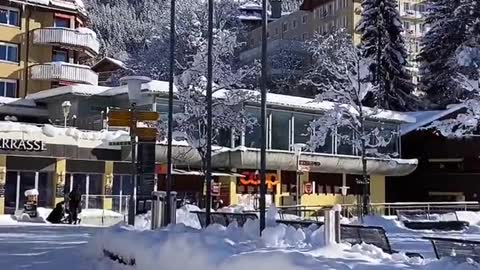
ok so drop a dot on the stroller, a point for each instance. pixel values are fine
(61, 215)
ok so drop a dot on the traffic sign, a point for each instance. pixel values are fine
(124, 115)
(146, 133)
(116, 122)
(128, 116)
(147, 116)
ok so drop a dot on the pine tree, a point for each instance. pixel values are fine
(383, 44)
(438, 66)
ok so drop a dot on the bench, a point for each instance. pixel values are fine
(456, 248)
(372, 235)
(422, 220)
(297, 224)
(224, 219)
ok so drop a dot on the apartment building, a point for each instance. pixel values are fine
(44, 44)
(289, 32)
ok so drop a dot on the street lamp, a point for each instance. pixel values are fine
(66, 105)
(297, 148)
(134, 84)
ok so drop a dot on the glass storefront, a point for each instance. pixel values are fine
(18, 182)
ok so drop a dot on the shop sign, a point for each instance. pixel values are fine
(22, 145)
(308, 188)
(253, 179)
(309, 163)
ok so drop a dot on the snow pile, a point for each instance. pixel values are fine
(183, 215)
(231, 248)
(52, 131)
(390, 225)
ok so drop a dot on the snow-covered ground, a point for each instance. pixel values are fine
(44, 246)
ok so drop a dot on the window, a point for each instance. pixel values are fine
(9, 52)
(337, 4)
(8, 88)
(285, 27)
(61, 22)
(294, 24)
(345, 3)
(304, 19)
(59, 56)
(9, 16)
(406, 26)
(305, 36)
(406, 7)
(422, 28)
(330, 9)
(281, 123)
(421, 8)
(345, 21)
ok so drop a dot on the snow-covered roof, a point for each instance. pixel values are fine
(301, 103)
(250, 6)
(153, 87)
(17, 102)
(77, 5)
(109, 59)
(426, 117)
(76, 89)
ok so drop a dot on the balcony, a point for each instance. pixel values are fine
(412, 14)
(81, 39)
(61, 71)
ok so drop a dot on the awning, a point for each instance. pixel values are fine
(199, 173)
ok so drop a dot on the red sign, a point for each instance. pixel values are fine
(253, 179)
(216, 189)
(308, 188)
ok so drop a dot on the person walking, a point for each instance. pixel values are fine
(74, 203)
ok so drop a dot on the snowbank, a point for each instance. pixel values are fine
(184, 216)
(180, 247)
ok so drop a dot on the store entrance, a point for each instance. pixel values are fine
(18, 182)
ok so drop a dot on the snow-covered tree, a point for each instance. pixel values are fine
(340, 76)
(437, 56)
(382, 42)
(228, 110)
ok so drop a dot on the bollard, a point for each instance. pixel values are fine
(329, 227)
(158, 209)
(173, 204)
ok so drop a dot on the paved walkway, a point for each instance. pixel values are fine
(45, 247)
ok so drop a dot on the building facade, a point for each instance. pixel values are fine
(289, 32)
(44, 44)
(54, 158)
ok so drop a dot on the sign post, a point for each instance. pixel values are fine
(130, 119)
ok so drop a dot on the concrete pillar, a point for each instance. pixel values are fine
(3, 181)
(278, 189)
(107, 184)
(60, 174)
(377, 189)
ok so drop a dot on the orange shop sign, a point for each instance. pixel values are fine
(253, 179)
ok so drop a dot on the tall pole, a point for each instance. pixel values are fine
(208, 193)
(263, 88)
(168, 183)
(132, 205)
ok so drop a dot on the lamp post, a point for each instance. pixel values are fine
(66, 105)
(297, 148)
(134, 95)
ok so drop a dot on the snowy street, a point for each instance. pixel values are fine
(52, 247)
(44, 247)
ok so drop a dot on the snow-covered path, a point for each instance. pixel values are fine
(44, 247)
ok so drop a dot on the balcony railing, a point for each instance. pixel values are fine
(61, 71)
(75, 38)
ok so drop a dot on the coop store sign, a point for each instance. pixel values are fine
(22, 145)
